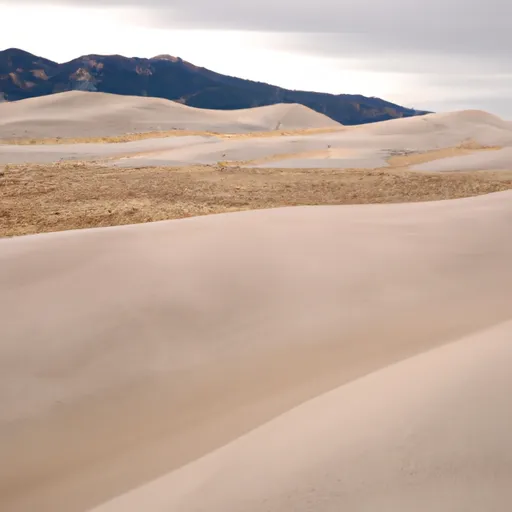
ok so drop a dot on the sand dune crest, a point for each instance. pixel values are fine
(306, 138)
(87, 114)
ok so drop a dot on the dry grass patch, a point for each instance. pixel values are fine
(43, 198)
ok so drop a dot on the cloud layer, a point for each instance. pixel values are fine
(446, 46)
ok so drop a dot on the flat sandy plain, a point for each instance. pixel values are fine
(328, 356)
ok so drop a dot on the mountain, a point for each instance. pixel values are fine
(23, 75)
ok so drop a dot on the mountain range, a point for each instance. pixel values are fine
(24, 75)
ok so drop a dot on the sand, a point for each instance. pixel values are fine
(402, 438)
(308, 358)
(365, 147)
(291, 135)
(49, 153)
(496, 161)
(133, 359)
(88, 114)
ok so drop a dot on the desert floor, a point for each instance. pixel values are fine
(45, 198)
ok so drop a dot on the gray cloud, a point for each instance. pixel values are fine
(345, 28)
(457, 44)
(417, 52)
(335, 16)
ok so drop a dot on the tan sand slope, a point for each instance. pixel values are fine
(456, 121)
(49, 153)
(88, 114)
(129, 352)
(493, 161)
(430, 433)
(368, 146)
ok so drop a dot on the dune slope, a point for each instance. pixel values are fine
(88, 114)
(430, 433)
(467, 135)
(128, 352)
(495, 160)
(368, 146)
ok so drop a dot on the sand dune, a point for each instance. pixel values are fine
(48, 153)
(296, 359)
(368, 146)
(452, 122)
(127, 354)
(494, 161)
(402, 438)
(87, 114)
(81, 114)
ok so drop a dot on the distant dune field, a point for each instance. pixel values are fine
(140, 132)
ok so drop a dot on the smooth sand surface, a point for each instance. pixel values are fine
(48, 153)
(494, 161)
(367, 146)
(429, 433)
(88, 114)
(136, 353)
(81, 114)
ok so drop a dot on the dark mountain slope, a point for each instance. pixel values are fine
(23, 75)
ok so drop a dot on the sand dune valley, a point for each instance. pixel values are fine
(256, 310)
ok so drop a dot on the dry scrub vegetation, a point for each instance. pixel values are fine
(42, 198)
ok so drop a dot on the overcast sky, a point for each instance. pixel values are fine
(426, 54)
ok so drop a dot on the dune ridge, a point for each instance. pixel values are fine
(368, 146)
(88, 114)
(290, 134)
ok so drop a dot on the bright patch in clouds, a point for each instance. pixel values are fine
(430, 65)
(74, 31)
